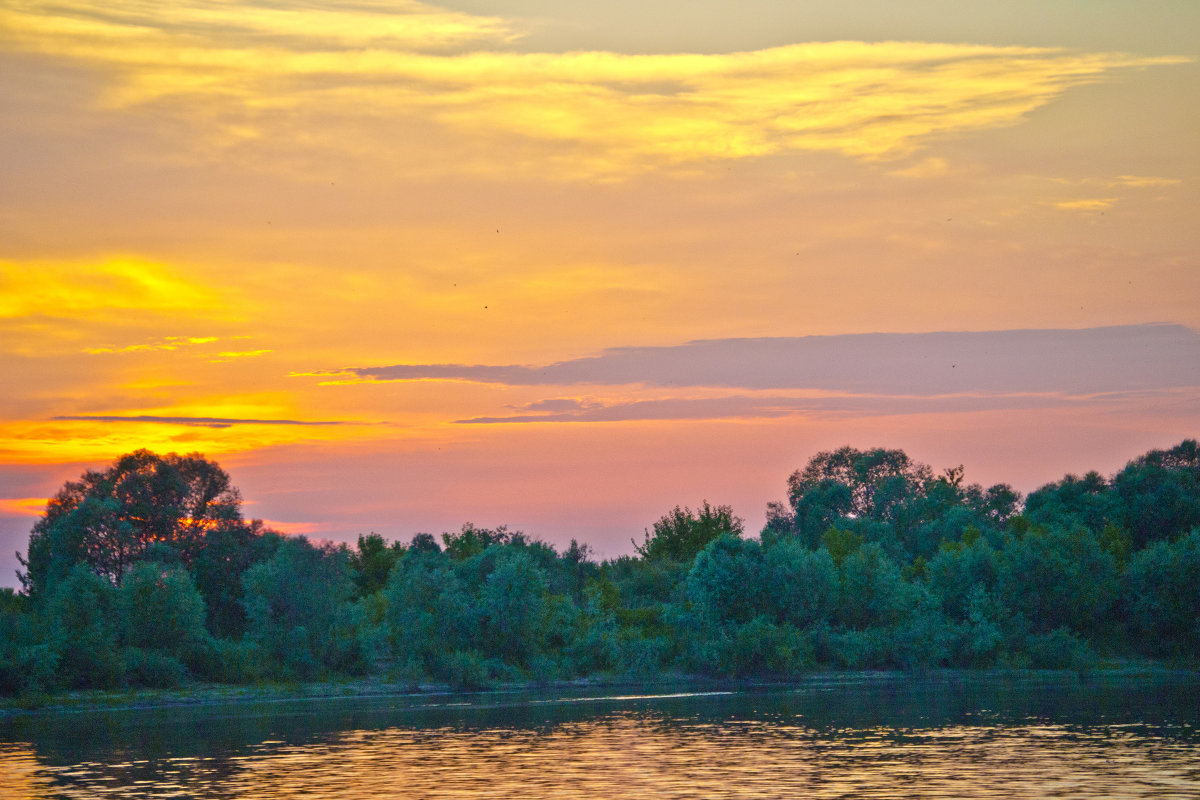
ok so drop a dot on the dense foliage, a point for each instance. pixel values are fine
(146, 574)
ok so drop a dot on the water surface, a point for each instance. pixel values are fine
(941, 736)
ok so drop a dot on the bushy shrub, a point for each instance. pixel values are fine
(464, 669)
(228, 661)
(1059, 649)
(153, 669)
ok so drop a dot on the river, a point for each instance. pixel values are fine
(937, 736)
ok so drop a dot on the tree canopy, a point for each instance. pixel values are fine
(145, 574)
(111, 519)
(682, 533)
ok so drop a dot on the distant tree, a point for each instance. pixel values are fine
(872, 591)
(427, 611)
(885, 496)
(577, 569)
(845, 484)
(371, 563)
(801, 585)
(471, 541)
(1057, 578)
(424, 543)
(1072, 501)
(513, 608)
(876, 479)
(1157, 495)
(682, 533)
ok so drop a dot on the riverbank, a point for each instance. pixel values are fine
(202, 694)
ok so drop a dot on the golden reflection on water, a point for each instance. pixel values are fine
(645, 753)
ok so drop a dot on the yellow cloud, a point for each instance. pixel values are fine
(168, 343)
(354, 80)
(89, 290)
(228, 356)
(1143, 181)
(1089, 204)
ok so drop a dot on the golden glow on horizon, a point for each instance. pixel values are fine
(101, 440)
(244, 75)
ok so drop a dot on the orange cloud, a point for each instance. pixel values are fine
(23, 506)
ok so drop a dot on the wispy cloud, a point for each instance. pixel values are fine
(559, 404)
(206, 422)
(239, 354)
(1087, 204)
(767, 407)
(1144, 181)
(1084, 361)
(248, 76)
(166, 343)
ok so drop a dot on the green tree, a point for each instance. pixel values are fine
(876, 478)
(513, 608)
(872, 592)
(1162, 594)
(1070, 502)
(299, 611)
(1157, 496)
(427, 612)
(801, 586)
(161, 609)
(471, 541)
(107, 520)
(681, 534)
(229, 549)
(726, 579)
(82, 627)
(371, 563)
(1058, 579)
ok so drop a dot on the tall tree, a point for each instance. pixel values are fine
(108, 519)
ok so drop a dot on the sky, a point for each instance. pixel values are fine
(564, 265)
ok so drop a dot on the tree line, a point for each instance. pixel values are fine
(147, 574)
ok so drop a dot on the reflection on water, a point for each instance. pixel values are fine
(930, 738)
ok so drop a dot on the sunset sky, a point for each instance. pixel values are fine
(563, 265)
